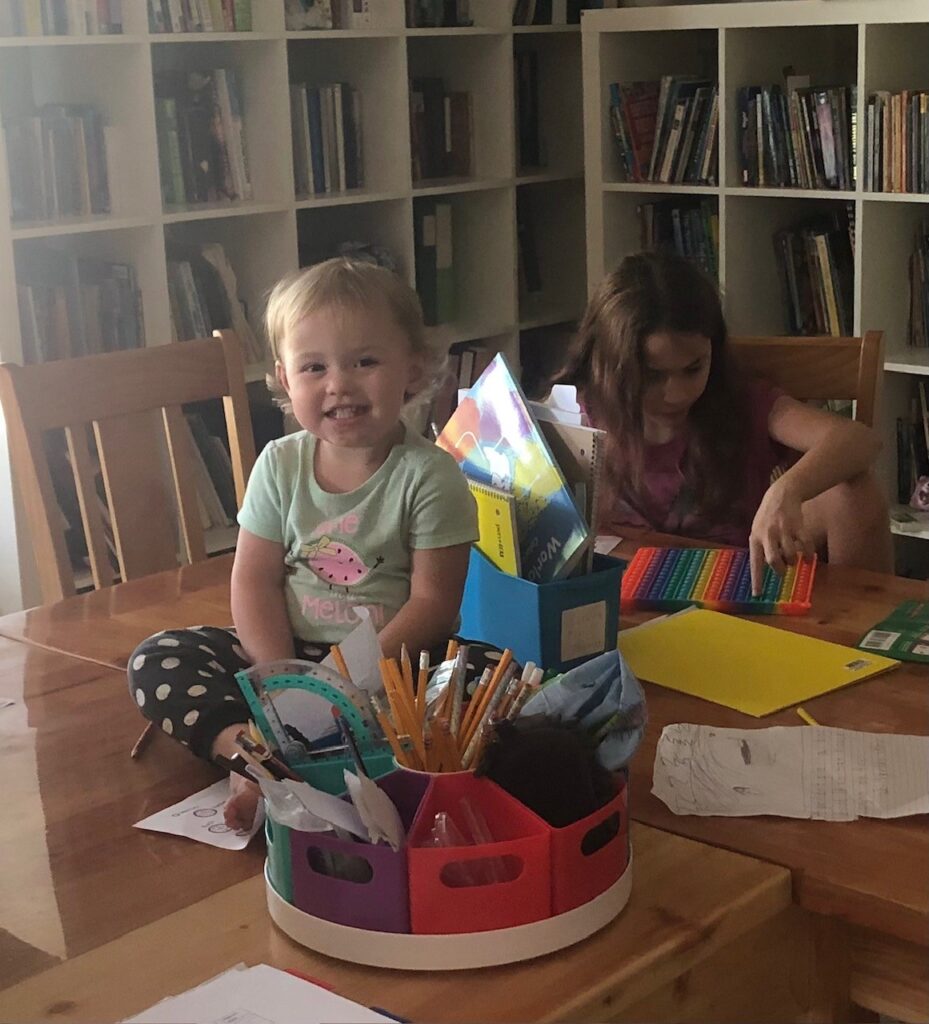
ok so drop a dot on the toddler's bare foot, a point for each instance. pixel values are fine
(242, 804)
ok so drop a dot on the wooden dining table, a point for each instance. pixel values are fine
(830, 912)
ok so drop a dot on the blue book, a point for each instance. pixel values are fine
(495, 440)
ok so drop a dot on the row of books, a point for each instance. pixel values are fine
(438, 13)
(213, 475)
(326, 137)
(57, 161)
(534, 477)
(73, 305)
(897, 142)
(434, 252)
(666, 131)
(689, 227)
(918, 321)
(554, 12)
(202, 151)
(61, 17)
(200, 15)
(816, 266)
(529, 141)
(304, 15)
(913, 442)
(797, 136)
(441, 130)
(204, 296)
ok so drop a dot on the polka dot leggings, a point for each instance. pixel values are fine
(183, 680)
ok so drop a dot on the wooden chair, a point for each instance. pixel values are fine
(132, 401)
(818, 368)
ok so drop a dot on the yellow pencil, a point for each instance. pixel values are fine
(339, 660)
(806, 716)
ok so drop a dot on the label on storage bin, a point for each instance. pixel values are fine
(582, 631)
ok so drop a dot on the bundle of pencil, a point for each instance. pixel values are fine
(451, 738)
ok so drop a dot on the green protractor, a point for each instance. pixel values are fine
(260, 682)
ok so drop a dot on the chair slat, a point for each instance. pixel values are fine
(136, 494)
(817, 368)
(84, 468)
(180, 452)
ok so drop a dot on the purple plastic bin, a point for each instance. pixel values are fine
(381, 903)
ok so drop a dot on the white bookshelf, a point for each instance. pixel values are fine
(276, 231)
(849, 42)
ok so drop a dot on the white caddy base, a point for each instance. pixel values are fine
(449, 952)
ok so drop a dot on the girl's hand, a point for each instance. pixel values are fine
(242, 804)
(778, 533)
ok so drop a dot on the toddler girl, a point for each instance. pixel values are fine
(697, 451)
(355, 510)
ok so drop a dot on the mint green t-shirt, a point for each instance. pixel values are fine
(346, 550)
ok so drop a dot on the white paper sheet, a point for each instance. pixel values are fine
(200, 817)
(794, 772)
(257, 995)
(604, 544)
(362, 653)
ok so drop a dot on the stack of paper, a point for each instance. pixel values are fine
(257, 995)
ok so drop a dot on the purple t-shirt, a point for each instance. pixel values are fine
(670, 508)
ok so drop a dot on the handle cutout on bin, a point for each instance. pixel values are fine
(347, 867)
(601, 834)
(462, 874)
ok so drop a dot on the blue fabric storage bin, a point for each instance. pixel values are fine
(556, 625)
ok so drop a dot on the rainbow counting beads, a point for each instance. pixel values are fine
(669, 579)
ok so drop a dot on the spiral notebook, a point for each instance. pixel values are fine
(496, 520)
(579, 451)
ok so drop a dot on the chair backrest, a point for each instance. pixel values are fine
(132, 402)
(818, 368)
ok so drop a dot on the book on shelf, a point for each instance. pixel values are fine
(61, 17)
(72, 305)
(918, 319)
(795, 136)
(554, 12)
(213, 471)
(438, 13)
(913, 443)
(666, 130)
(326, 137)
(203, 294)
(528, 269)
(816, 267)
(897, 142)
(434, 252)
(495, 440)
(199, 16)
(530, 146)
(202, 151)
(687, 226)
(441, 136)
(466, 363)
(309, 15)
(57, 161)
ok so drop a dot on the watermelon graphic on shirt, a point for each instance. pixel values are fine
(335, 563)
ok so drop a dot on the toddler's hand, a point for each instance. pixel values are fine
(242, 804)
(778, 533)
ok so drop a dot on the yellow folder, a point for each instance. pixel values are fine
(740, 664)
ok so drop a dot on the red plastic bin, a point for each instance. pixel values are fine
(441, 905)
(578, 877)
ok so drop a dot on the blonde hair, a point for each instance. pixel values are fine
(354, 285)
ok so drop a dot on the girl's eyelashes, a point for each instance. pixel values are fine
(367, 361)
